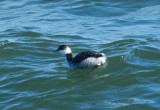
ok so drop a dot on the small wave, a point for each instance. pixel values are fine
(96, 11)
(26, 33)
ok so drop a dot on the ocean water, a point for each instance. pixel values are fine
(33, 77)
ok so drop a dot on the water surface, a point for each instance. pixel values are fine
(35, 78)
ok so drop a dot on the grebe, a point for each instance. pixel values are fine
(86, 59)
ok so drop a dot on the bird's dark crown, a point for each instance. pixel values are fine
(62, 47)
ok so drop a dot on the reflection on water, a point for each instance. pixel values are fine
(84, 74)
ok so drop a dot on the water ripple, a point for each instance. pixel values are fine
(33, 76)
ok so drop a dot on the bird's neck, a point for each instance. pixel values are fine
(69, 57)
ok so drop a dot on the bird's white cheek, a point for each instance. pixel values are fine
(68, 50)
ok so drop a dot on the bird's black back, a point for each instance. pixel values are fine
(84, 55)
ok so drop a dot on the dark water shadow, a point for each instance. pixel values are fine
(86, 74)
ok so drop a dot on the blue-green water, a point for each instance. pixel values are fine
(32, 77)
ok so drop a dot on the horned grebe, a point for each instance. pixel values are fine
(86, 59)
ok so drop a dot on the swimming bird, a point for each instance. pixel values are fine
(85, 59)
